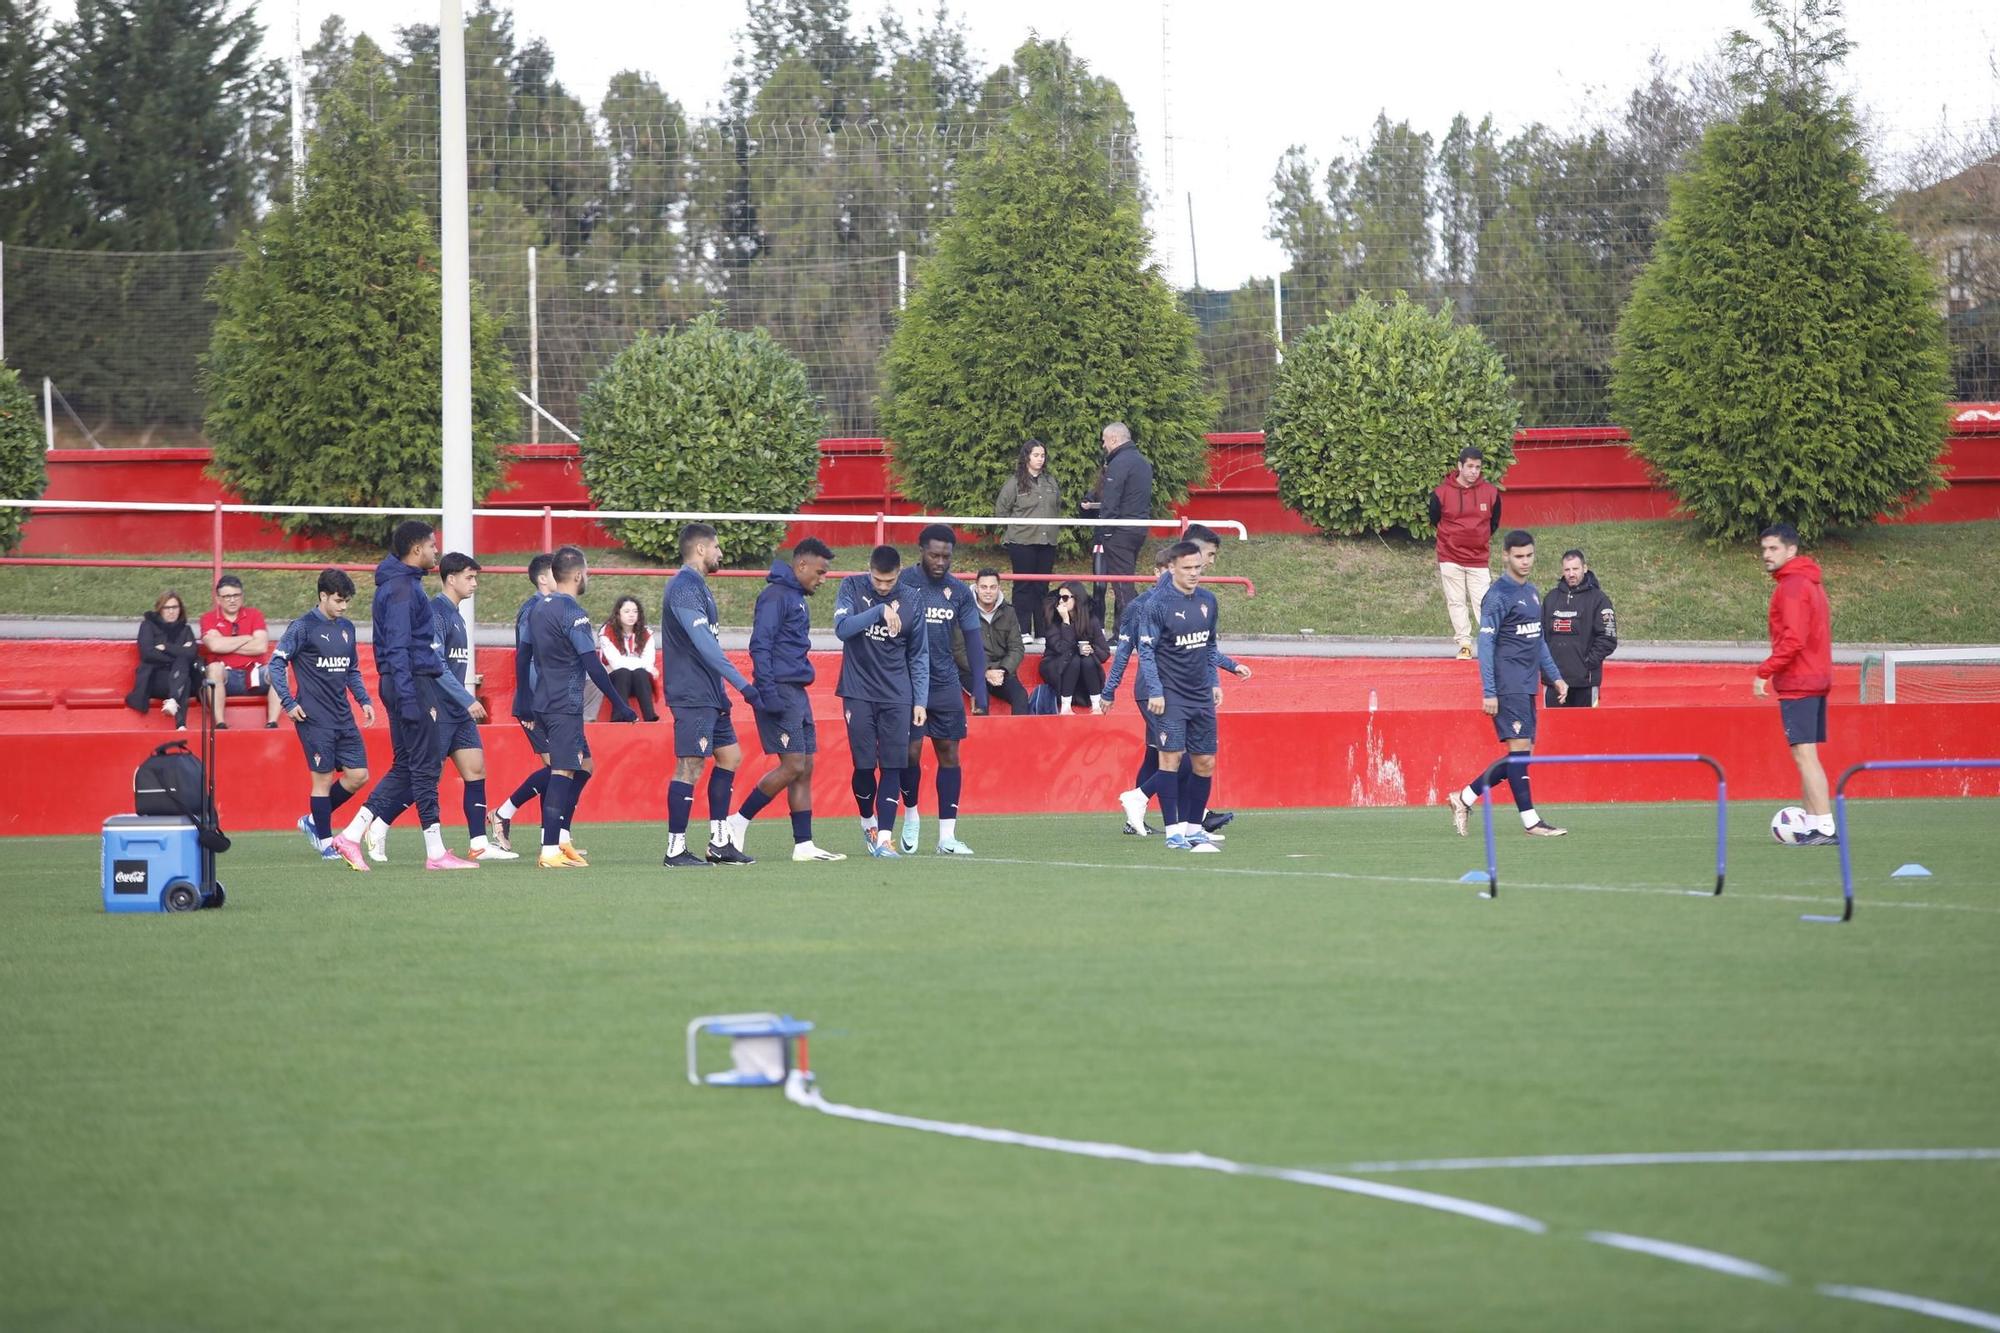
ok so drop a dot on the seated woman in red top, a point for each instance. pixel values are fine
(167, 652)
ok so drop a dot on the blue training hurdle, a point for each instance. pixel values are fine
(1840, 829)
(1492, 889)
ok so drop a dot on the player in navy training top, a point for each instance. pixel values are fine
(458, 733)
(320, 646)
(692, 669)
(500, 822)
(885, 671)
(781, 654)
(1177, 666)
(947, 609)
(1121, 661)
(1512, 655)
(564, 645)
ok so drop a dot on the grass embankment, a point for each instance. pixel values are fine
(1894, 584)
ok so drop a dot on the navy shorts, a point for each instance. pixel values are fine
(1183, 728)
(1804, 719)
(456, 731)
(700, 732)
(334, 749)
(1516, 719)
(567, 746)
(538, 740)
(790, 730)
(878, 735)
(944, 716)
(242, 683)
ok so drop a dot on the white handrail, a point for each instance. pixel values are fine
(365, 511)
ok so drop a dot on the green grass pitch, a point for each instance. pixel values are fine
(410, 1101)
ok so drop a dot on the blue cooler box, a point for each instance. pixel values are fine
(146, 857)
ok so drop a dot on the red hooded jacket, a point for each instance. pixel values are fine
(1466, 517)
(1801, 660)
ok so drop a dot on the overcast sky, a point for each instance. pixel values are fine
(1235, 83)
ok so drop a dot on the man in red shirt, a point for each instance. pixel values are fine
(1800, 668)
(1465, 510)
(235, 644)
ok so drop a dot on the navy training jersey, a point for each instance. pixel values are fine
(560, 636)
(1177, 645)
(692, 664)
(1512, 654)
(453, 646)
(874, 665)
(322, 652)
(944, 600)
(524, 661)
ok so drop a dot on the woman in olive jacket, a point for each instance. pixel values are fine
(167, 652)
(1030, 493)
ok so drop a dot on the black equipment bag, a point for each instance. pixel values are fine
(172, 781)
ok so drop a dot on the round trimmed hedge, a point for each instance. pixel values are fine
(702, 418)
(24, 471)
(1371, 408)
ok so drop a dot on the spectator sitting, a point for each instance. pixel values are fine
(631, 655)
(1073, 663)
(167, 652)
(1000, 633)
(237, 644)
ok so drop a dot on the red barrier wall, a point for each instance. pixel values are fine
(1569, 475)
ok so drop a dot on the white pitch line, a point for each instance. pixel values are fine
(1741, 1158)
(1207, 867)
(1896, 1300)
(1713, 1260)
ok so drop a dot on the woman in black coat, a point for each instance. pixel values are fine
(1074, 656)
(167, 653)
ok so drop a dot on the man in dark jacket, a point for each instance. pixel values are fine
(1465, 510)
(781, 665)
(1581, 630)
(1800, 668)
(1000, 633)
(413, 680)
(1124, 490)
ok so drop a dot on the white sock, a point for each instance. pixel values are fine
(868, 825)
(478, 843)
(564, 835)
(1469, 796)
(359, 824)
(716, 836)
(1823, 823)
(676, 843)
(551, 851)
(947, 830)
(1529, 818)
(506, 810)
(433, 841)
(738, 826)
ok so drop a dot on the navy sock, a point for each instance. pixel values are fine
(536, 784)
(1489, 777)
(864, 791)
(575, 797)
(475, 807)
(338, 797)
(1166, 786)
(885, 802)
(950, 782)
(754, 803)
(555, 797)
(1517, 778)
(1147, 767)
(802, 826)
(721, 781)
(680, 804)
(913, 778)
(322, 814)
(1194, 798)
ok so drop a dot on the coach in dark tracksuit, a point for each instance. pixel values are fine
(1581, 630)
(1124, 490)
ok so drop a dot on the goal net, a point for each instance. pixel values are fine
(1932, 675)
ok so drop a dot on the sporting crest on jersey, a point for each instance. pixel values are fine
(1204, 610)
(947, 594)
(784, 739)
(1517, 728)
(703, 742)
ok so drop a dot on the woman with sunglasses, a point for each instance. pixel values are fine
(1073, 662)
(167, 652)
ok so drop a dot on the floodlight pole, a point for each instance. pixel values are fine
(1278, 316)
(534, 353)
(457, 270)
(298, 108)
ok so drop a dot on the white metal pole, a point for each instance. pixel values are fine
(49, 413)
(902, 280)
(1278, 315)
(457, 269)
(534, 353)
(298, 108)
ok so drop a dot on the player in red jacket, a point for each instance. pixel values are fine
(1465, 510)
(1800, 667)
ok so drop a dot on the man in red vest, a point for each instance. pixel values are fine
(1800, 668)
(1465, 510)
